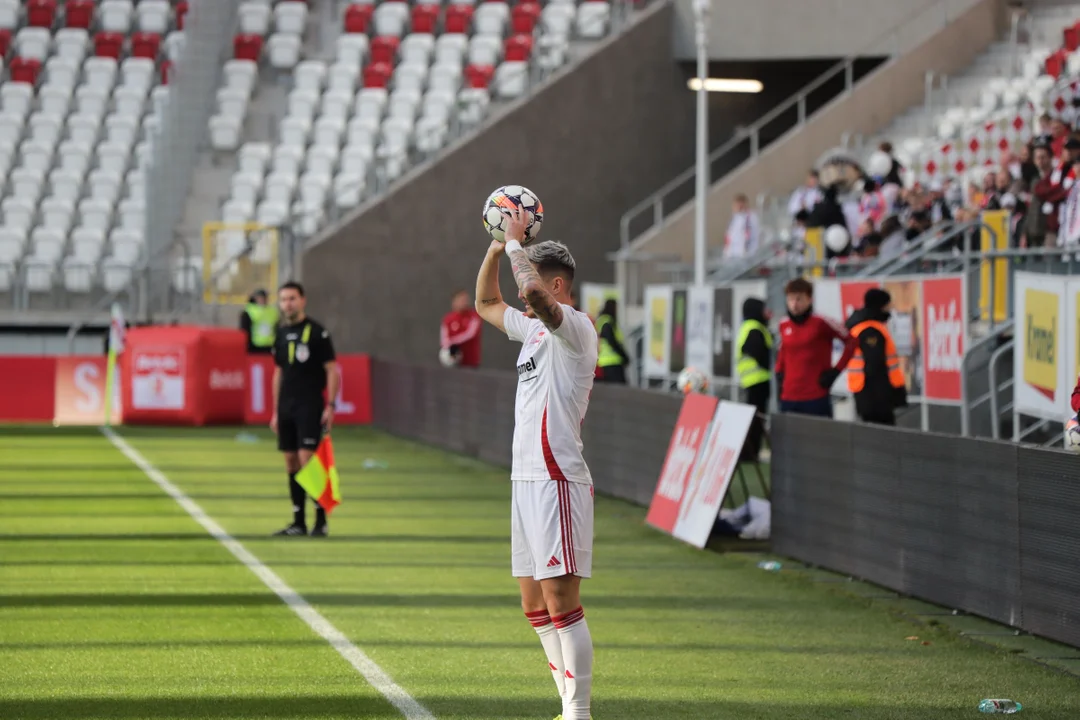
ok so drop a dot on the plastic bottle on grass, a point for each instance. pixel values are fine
(999, 707)
(770, 565)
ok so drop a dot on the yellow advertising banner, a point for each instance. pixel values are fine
(815, 250)
(1041, 329)
(994, 274)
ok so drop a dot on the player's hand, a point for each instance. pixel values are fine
(518, 221)
(273, 423)
(496, 248)
(328, 417)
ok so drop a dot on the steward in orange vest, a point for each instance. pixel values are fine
(874, 374)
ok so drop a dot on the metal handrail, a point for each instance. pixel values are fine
(965, 409)
(923, 246)
(995, 430)
(655, 201)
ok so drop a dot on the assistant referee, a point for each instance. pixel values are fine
(305, 366)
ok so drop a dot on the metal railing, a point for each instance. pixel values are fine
(653, 208)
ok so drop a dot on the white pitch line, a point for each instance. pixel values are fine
(375, 675)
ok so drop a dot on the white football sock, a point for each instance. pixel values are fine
(549, 638)
(577, 652)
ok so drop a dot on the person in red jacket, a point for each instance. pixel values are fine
(460, 332)
(804, 369)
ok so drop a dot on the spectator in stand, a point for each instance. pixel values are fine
(806, 197)
(744, 230)
(612, 358)
(1045, 133)
(893, 238)
(1059, 135)
(1065, 172)
(804, 368)
(865, 236)
(459, 336)
(874, 374)
(873, 205)
(1069, 235)
(1026, 170)
(1042, 222)
(895, 176)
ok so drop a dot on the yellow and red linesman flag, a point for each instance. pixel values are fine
(319, 477)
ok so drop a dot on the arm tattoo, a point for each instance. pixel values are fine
(489, 301)
(532, 289)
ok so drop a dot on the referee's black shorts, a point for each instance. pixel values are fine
(299, 427)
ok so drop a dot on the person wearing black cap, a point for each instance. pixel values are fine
(753, 353)
(874, 374)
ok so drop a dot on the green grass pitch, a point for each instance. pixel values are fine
(114, 603)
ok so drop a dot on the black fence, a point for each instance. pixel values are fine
(987, 527)
(625, 434)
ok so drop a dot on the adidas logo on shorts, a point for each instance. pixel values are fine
(553, 562)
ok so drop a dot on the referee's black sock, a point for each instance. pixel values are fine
(320, 516)
(298, 499)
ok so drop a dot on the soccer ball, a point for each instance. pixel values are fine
(507, 197)
(692, 380)
(1072, 434)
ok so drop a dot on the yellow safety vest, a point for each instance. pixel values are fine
(608, 357)
(264, 320)
(750, 373)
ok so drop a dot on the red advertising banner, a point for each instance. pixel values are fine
(80, 391)
(697, 411)
(852, 293)
(353, 406)
(27, 388)
(259, 392)
(944, 332)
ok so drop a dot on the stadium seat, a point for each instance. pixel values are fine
(518, 48)
(115, 274)
(485, 49)
(337, 105)
(342, 77)
(479, 76)
(511, 79)
(592, 18)
(38, 274)
(78, 273)
(79, 14)
(352, 49)
(417, 48)
(254, 157)
(47, 244)
(33, 43)
(114, 16)
(491, 18)
(524, 16)
(107, 44)
(187, 276)
(153, 16)
(181, 11)
(284, 49)
(358, 18)
(247, 47)
(5, 42)
(457, 20)
(557, 18)
(10, 10)
(290, 17)
(377, 75)
(391, 18)
(174, 46)
(450, 48)
(25, 70)
(41, 13)
(384, 49)
(145, 45)
(255, 18)
(425, 18)
(224, 132)
(310, 75)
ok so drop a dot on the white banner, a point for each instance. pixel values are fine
(657, 330)
(1043, 357)
(712, 472)
(157, 379)
(699, 328)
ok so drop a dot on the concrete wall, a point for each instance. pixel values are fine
(890, 90)
(811, 28)
(593, 142)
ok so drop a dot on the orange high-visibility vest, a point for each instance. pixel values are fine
(856, 369)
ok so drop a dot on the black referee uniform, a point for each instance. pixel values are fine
(301, 351)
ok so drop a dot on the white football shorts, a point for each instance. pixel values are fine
(551, 529)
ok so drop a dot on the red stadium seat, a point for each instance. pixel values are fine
(478, 76)
(145, 45)
(384, 49)
(5, 41)
(79, 14)
(166, 71)
(108, 45)
(41, 13)
(1055, 64)
(424, 18)
(358, 17)
(1072, 37)
(377, 75)
(25, 70)
(518, 48)
(181, 13)
(524, 17)
(458, 18)
(247, 47)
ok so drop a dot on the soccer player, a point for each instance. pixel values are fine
(552, 495)
(305, 366)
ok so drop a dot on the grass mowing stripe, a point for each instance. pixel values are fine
(372, 673)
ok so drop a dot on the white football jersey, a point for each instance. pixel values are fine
(555, 376)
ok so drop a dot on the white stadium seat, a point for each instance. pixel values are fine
(72, 43)
(284, 49)
(115, 16)
(255, 18)
(511, 79)
(153, 16)
(224, 132)
(290, 17)
(352, 48)
(33, 42)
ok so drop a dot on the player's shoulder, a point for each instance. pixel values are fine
(829, 322)
(578, 317)
(318, 329)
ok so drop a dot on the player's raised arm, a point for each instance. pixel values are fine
(543, 304)
(489, 300)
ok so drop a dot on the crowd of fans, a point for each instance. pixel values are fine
(880, 212)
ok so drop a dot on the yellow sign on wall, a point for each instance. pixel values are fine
(994, 274)
(1041, 328)
(815, 246)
